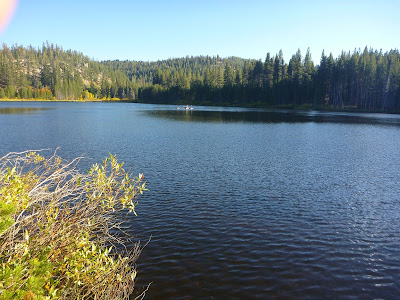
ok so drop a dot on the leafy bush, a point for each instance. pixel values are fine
(60, 237)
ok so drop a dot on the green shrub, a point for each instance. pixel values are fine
(55, 229)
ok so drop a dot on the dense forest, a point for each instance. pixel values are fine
(366, 80)
(53, 73)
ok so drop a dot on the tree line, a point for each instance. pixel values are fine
(367, 80)
(50, 72)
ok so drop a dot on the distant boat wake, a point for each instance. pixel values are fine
(187, 107)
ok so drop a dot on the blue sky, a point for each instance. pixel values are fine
(153, 29)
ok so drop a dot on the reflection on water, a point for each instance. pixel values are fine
(274, 116)
(243, 203)
(21, 110)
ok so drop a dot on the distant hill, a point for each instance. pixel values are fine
(51, 72)
(365, 80)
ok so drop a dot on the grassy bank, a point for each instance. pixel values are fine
(54, 100)
(55, 229)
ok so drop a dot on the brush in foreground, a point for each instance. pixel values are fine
(60, 237)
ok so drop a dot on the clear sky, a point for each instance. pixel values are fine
(150, 30)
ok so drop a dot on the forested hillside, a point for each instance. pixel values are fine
(362, 80)
(51, 72)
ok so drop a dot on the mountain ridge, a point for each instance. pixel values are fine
(365, 80)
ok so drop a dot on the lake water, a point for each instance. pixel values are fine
(243, 203)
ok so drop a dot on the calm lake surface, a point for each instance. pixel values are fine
(243, 203)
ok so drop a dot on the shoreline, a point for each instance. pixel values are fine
(279, 107)
(76, 101)
(51, 100)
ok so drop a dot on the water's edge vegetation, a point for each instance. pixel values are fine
(59, 232)
(364, 80)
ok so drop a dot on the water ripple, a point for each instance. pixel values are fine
(244, 204)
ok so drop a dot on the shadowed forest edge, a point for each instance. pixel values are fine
(367, 80)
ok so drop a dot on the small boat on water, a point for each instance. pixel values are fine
(185, 107)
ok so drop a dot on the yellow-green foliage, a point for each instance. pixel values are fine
(55, 222)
